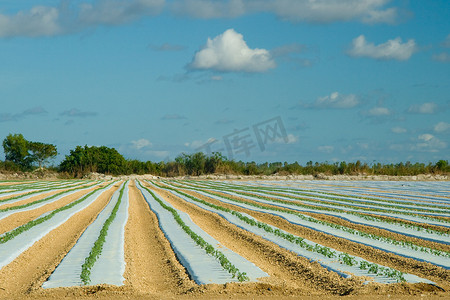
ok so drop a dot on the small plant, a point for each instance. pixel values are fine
(224, 262)
(15, 232)
(98, 245)
(347, 259)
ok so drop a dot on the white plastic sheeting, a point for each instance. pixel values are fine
(110, 265)
(202, 268)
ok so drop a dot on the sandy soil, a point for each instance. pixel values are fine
(422, 269)
(26, 273)
(153, 271)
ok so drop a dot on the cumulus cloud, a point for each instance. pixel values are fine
(69, 18)
(318, 11)
(141, 143)
(228, 52)
(65, 19)
(379, 111)
(424, 108)
(398, 130)
(336, 100)
(441, 127)
(392, 49)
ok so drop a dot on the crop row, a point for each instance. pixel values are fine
(323, 250)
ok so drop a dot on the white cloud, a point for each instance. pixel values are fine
(388, 16)
(392, 49)
(398, 130)
(425, 137)
(65, 19)
(39, 21)
(291, 139)
(197, 144)
(141, 143)
(228, 52)
(326, 149)
(318, 11)
(424, 108)
(326, 11)
(379, 111)
(336, 100)
(442, 57)
(441, 127)
(428, 143)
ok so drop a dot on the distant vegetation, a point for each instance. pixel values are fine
(23, 155)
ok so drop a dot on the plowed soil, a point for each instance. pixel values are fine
(154, 272)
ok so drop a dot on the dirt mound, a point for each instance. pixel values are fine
(42, 174)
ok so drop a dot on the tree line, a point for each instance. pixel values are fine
(24, 155)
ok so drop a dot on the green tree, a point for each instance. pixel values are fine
(86, 159)
(41, 152)
(15, 147)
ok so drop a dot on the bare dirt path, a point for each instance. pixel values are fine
(152, 266)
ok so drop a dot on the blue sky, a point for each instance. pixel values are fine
(347, 79)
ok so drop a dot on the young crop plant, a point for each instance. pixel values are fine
(98, 245)
(40, 200)
(209, 249)
(15, 232)
(361, 215)
(343, 258)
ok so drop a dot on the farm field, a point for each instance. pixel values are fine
(159, 239)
